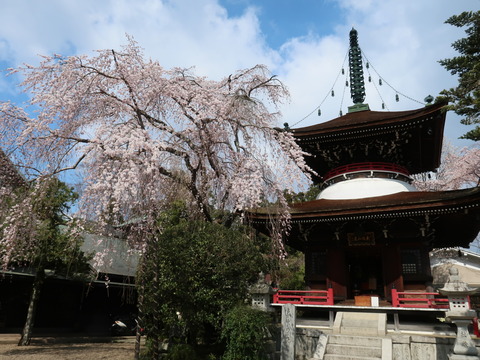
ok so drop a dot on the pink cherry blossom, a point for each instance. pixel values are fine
(460, 168)
(137, 135)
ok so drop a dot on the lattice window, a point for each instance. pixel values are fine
(411, 262)
(318, 263)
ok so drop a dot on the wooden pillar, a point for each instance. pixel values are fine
(337, 272)
(392, 269)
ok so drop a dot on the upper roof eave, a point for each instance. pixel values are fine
(367, 119)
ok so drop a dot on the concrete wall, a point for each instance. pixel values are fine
(415, 347)
(405, 347)
(305, 343)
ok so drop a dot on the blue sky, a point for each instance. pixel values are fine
(281, 20)
(304, 42)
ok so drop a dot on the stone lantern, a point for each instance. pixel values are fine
(261, 294)
(461, 315)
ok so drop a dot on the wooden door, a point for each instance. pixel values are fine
(337, 272)
(392, 269)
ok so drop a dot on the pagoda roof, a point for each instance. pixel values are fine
(455, 212)
(362, 121)
(399, 204)
(412, 139)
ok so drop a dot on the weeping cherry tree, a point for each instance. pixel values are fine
(138, 135)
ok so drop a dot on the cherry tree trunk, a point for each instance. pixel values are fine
(32, 308)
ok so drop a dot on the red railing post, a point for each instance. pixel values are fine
(475, 327)
(275, 298)
(395, 301)
(330, 296)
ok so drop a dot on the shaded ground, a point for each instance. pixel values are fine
(71, 349)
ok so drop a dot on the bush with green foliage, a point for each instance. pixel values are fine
(245, 332)
(193, 273)
(290, 274)
(181, 352)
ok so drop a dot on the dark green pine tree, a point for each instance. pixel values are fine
(465, 98)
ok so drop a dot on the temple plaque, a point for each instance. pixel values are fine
(364, 239)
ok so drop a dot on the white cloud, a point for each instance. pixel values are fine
(309, 69)
(403, 39)
(177, 33)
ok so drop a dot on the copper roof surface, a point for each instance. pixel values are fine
(367, 119)
(402, 202)
(412, 139)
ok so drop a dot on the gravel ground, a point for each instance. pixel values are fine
(84, 350)
(94, 351)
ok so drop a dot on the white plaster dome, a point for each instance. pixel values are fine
(364, 188)
(365, 181)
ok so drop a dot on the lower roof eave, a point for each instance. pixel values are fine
(406, 204)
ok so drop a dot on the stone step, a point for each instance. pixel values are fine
(358, 331)
(348, 357)
(352, 350)
(355, 340)
(361, 315)
(363, 323)
(360, 323)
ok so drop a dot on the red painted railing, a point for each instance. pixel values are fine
(476, 331)
(306, 297)
(366, 166)
(431, 300)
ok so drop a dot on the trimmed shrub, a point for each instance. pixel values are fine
(245, 332)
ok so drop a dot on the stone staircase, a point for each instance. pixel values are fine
(356, 336)
(360, 323)
(345, 347)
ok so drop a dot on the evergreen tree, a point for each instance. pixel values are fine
(194, 272)
(465, 98)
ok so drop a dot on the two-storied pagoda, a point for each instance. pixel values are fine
(370, 231)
